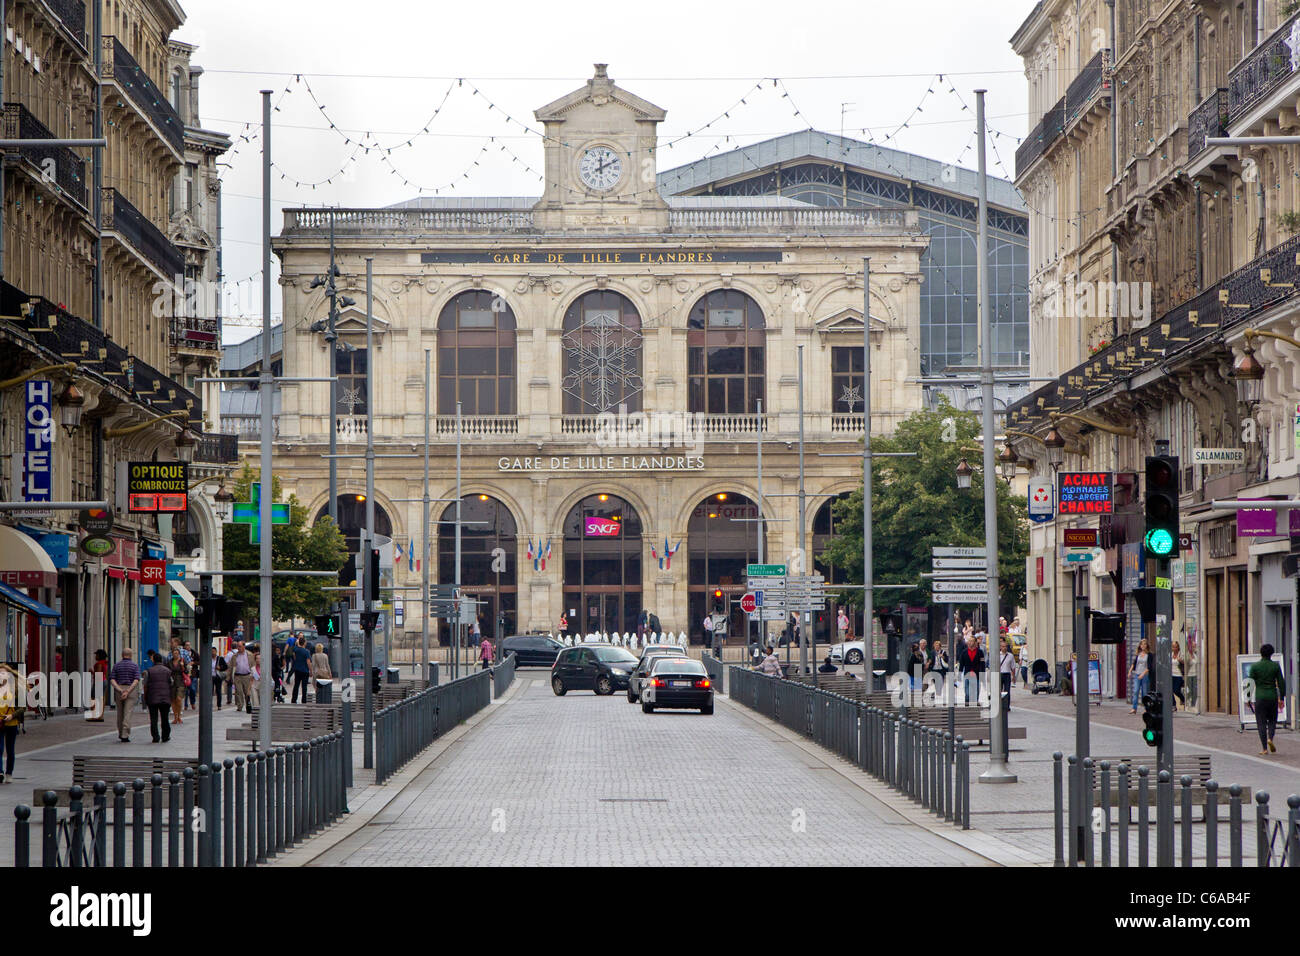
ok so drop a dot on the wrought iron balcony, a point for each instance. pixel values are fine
(1041, 137)
(1265, 70)
(1082, 89)
(123, 218)
(69, 168)
(122, 69)
(73, 15)
(200, 334)
(1210, 118)
(216, 448)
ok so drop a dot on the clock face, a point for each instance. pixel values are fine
(600, 168)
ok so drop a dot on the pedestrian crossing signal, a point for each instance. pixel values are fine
(327, 625)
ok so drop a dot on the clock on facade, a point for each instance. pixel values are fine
(600, 168)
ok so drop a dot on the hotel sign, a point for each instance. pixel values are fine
(38, 476)
(596, 256)
(585, 463)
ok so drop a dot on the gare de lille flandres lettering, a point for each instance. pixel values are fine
(603, 463)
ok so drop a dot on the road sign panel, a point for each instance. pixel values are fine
(768, 614)
(958, 575)
(765, 570)
(959, 587)
(747, 602)
(956, 552)
(1078, 557)
(951, 564)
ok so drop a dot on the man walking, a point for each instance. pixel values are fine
(301, 660)
(125, 679)
(1270, 687)
(241, 675)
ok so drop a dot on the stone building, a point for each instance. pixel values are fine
(609, 344)
(1158, 261)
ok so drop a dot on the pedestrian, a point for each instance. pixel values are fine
(1270, 687)
(915, 664)
(970, 662)
(939, 663)
(1006, 669)
(125, 680)
(158, 696)
(13, 710)
(180, 680)
(770, 665)
(827, 667)
(1024, 666)
(241, 675)
(656, 628)
(320, 668)
(277, 672)
(485, 654)
(708, 630)
(1180, 672)
(230, 678)
(257, 680)
(217, 669)
(195, 674)
(842, 624)
(1140, 672)
(99, 682)
(300, 659)
(642, 623)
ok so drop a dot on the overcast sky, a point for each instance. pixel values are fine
(382, 68)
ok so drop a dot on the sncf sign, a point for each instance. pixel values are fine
(601, 528)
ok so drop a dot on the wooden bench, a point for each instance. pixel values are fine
(87, 769)
(292, 723)
(1196, 766)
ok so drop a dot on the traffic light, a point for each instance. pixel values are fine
(1161, 537)
(372, 576)
(1152, 719)
(328, 625)
(369, 620)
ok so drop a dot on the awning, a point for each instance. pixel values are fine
(182, 592)
(11, 595)
(23, 562)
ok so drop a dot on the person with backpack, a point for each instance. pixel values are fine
(654, 625)
(13, 699)
(1270, 687)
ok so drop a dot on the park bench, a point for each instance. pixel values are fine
(1196, 766)
(291, 723)
(87, 769)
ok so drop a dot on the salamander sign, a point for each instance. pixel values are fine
(154, 486)
(1086, 493)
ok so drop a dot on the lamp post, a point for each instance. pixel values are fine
(1248, 373)
(185, 446)
(1008, 460)
(72, 403)
(964, 473)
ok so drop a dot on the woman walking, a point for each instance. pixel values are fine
(13, 699)
(1180, 672)
(1140, 672)
(485, 654)
(217, 668)
(320, 669)
(194, 672)
(179, 681)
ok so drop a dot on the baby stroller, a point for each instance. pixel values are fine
(1042, 677)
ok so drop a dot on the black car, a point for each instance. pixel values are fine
(677, 682)
(642, 672)
(603, 668)
(531, 650)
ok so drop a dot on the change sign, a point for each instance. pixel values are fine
(154, 486)
(1086, 493)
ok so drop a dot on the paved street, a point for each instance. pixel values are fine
(593, 781)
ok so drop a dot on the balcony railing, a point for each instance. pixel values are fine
(122, 69)
(1041, 137)
(1210, 118)
(69, 168)
(73, 15)
(791, 220)
(123, 218)
(1263, 71)
(1091, 80)
(477, 426)
(200, 334)
(216, 448)
(351, 428)
(247, 427)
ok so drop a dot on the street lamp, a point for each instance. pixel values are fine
(185, 445)
(964, 472)
(1249, 375)
(1055, 445)
(223, 503)
(72, 403)
(1007, 461)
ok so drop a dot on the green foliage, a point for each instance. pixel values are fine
(294, 547)
(1289, 221)
(916, 506)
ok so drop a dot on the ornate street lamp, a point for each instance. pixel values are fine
(72, 403)
(185, 445)
(1007, 461)
(1055, 445)
(223, 503)
(1249, 374)
(964, 472)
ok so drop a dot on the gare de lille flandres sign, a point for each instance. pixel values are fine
(602, 463)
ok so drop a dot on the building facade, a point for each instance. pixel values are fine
(87, 369)
(1130, 205)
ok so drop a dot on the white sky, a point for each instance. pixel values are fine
(382, 67)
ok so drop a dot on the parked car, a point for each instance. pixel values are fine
(603, 668)
(850, 652)
(642, 671)
(662, 649)
(531, 650)
(677, 682)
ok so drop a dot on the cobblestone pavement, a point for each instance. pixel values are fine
(589, 780)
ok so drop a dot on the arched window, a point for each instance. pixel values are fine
(721, 539)
(725, 358)
(489, 562)
(476, 355)
(602, 565)
(602, 354)
(824, 527)
(352, 518)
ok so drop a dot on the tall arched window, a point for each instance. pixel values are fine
(602, 565)
(725, 357)
(721, 541)
(602, 354)
(352, 518)
(476, 355)
(824, 528)
(489, 562)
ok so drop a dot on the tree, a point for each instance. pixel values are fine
(916, 506)
(294, 547)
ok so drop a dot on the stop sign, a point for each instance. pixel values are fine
(748, 604)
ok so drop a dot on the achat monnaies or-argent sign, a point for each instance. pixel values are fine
(602, 463)
(1085, 493)
(1218, 456)
(589, 257)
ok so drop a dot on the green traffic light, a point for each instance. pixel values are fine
(1150, 735)
(1160, 542)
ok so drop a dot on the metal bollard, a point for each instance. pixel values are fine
(260, 807)
(1293, 830)
(947, 776)
(49, 829)
(1261, 829)
(214, 816)
(1085, 831)
(1234, 825)
(1058, 837)
(137, 822)
(1123, 813)
(156, 820)
(187, 830)
(241, 802)
(22, 836)
(292, 798)
(251, 815)
(1211, 823)
(119, 824)
(965, 776)
(279, 799)
(1144, 814)
(228, 819)
(1186, 782)
(174, 825)
(77, 818)
(204, 772)
(1164, 828)
(101, 823)
(1105, 810)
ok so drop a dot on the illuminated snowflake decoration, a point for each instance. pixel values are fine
(851, 395)
(350, 398)
(604, 361)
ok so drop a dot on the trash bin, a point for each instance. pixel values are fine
(394, 675)
(431, 669)
(324, 691)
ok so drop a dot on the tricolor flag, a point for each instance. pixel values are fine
(410, 552)
(666, 558)
(397, 552)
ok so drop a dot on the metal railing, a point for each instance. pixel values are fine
(233, 813)
(69, 168)
(121, 67)
(405, 728)
(503, 675)
(1210, 118)
(716, 670)
(73, 15)
(120, 216)
(929, 766)
(216, 448)
(1090, 80)
(188, 332)
(1103, 841)
(1262, 72)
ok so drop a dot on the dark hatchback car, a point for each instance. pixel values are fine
(603, 668)
(677, 682)
(531, 650)
(642, 672)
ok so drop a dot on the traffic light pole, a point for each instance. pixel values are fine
(368, 535)
(207, 666)
(1079, 812)
(347, 689)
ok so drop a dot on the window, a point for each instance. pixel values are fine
(476, 355)
(725, 359)
(602, 355)
(846, 379)
(350, 368)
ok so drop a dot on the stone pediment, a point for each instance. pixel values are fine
(352, 321)
(847, 321)
(600, 90)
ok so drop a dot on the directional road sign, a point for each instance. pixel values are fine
(956, 552)
(959, 587)
(952, 564)
(765, 570)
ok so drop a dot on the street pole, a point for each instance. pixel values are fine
(368, 533)
(331, 337)
(762, 625)
(1082, 744)
(997, 771)
(265, 387)
(206, 663)
(348, 690)
(803, 631)
(455, 667)
(424, 540)
(868, 576)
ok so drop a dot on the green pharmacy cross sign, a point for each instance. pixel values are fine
(250, 513)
